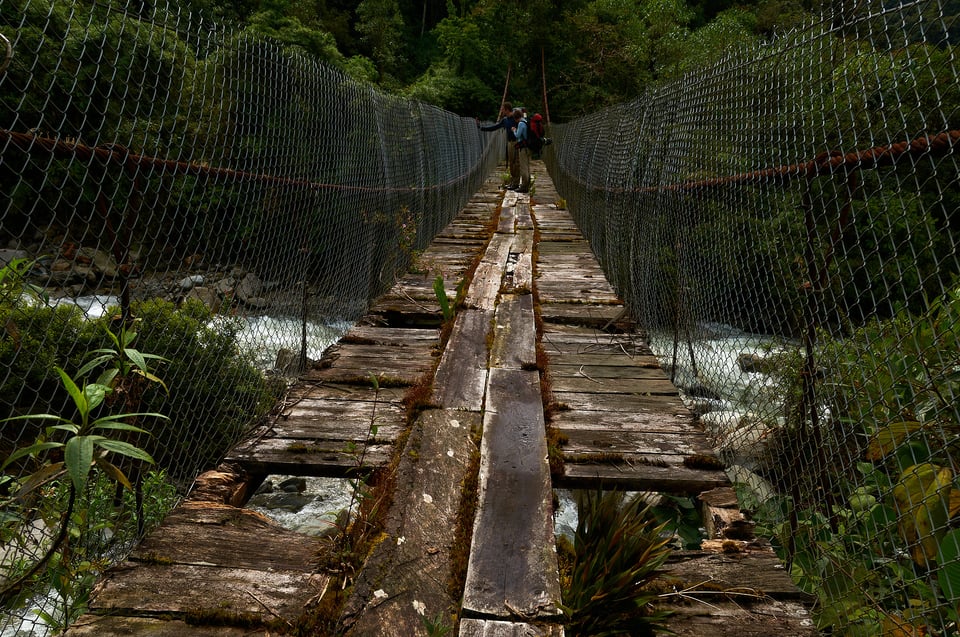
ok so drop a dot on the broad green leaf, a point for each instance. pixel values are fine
(70, 427)
(29, 451)
(95, 393)
(113, 338)
(106, 378)
(152, 379)
(78, 456)
(948, 557)
(125, 449)
(111, 423)
(79, 399)
(36, 417)
(106, 421)
(137, 358)
(93, 363)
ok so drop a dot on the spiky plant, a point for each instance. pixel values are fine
(617, 551)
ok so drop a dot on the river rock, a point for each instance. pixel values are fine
(7, 256)
(249, 288)
(100, 261)
(293, 485)
(208, 296)
(188, 283)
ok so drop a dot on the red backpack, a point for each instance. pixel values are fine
(535, 134)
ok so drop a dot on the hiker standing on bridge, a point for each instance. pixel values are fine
(508, 123)
(523, 151)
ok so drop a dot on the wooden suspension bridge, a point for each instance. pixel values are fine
(471, 471)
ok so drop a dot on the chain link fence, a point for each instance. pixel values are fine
(170, 189)
(785, 224)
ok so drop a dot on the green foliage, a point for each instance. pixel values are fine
(212, 392)
(871, 557)
(381, 25)
(296, 36)
(215, 392)
(680, 518)
(88, 438)
(445, 306)
(618, 549)
(74, 447)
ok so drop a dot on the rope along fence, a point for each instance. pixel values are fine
(785, 224)
(171, 190)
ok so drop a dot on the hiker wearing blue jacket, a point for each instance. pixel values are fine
(508, 123)
(523, 153)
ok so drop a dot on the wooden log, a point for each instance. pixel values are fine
(512, 571)
(406, 577)
(316, 458)
(515, 333)
(111, 626)
(593, 315)
(494, 628)
(461, 376)
(637, 476)
(201, 533)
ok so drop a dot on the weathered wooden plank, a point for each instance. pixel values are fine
(360, 371)
(625, 368)
(593, 315)
(550, 246)
(638, 476)
(208, 534)
(594, 355)
(412, 565)
(572, 292)
(585, 442)
(329, 418)
(319, 458)
(584, 384)
(421, 288)
(507, 221)
(652, 403)
(348, 350)
(309, 389)
(398, 311)
(719, 618)
(493, 628)
(398, 365)
(461, 377)
(482, 294)
(513, 563)
(115, 626)
(523, 274)
(749, 569)
(635, 350)
(391, 336)
(515, 333)
(179, 589)
(638, 422)
(522, 242)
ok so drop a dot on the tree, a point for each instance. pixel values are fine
(380, 24)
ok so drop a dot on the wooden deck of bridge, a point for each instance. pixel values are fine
(539, 325)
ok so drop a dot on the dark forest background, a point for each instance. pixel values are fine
(456, 54)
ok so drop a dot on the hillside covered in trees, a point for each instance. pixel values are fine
(456, 54)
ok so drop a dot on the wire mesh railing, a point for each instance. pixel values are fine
(785, 224)
(169, 189)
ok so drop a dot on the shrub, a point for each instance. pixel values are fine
(618, 549)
